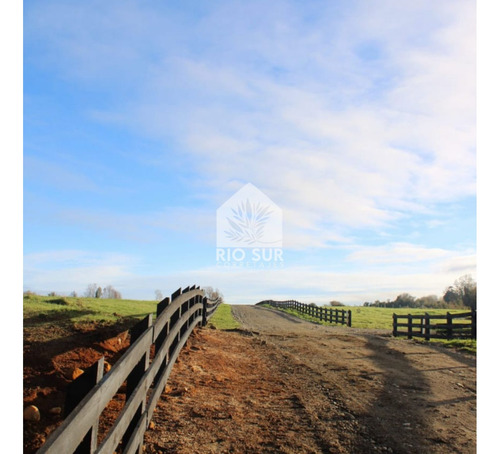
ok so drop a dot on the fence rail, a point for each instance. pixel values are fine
(145, 379)
(435, 326)
(326, 314)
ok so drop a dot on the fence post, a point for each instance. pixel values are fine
(204, 313)
(449, 329)
(427, 327)
(160, 339)
(349, 318)
(136, 374)
(410, 326)
(342, 321)
(473, 323)
(394, 325)
(76, 391)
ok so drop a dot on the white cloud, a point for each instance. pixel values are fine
(38, 170)
(72, 270)
(397, 253)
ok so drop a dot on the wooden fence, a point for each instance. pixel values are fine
(435, 326)
(145, 380)
(326, 314)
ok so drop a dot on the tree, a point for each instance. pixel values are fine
(91, 290)
(98, 292)
(158, 295)
(212, 294)
(73, 294)
(404, 300)
(463, 291)
(111, 293)
(427, 301)
(335, 303)
(451, 296)
(466, 287)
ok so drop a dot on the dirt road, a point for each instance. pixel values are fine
(285, 385)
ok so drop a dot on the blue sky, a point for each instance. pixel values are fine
(356, 118)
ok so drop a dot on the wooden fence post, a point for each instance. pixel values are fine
(394, 325)
(410, 326)
(449, 329)
(427, 327)
(136, 374)
(473, 324)
(349, 318)
(160, 339)
(204, 313)
(76, 391)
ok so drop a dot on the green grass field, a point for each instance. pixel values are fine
(381, 317)
(38, 309)
(223, 318)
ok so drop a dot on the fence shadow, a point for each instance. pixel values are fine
(390, 413)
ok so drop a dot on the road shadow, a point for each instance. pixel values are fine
(397, 418)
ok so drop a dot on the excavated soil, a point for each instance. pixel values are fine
(278, 385)
(51, 354)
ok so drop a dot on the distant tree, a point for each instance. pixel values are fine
(212, 294)
(111, 293)
(98, 292)
(158, 295)
(427, 301)
(466, 287)
(313, 304)
(404, 300)
(91, 290)
(451, 296)
(73, 294)
(335, 303)
(52, 294)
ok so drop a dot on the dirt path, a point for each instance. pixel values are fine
(284, 385)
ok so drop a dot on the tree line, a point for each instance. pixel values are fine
(463, 293)
(108, 292)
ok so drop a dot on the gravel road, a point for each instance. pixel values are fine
(285, 385)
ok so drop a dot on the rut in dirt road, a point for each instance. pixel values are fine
(404, 396)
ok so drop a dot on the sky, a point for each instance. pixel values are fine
(357, 119)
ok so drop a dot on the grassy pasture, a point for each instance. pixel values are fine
(38, 310)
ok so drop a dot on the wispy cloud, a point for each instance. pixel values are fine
(73, 270)
(37, 170)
